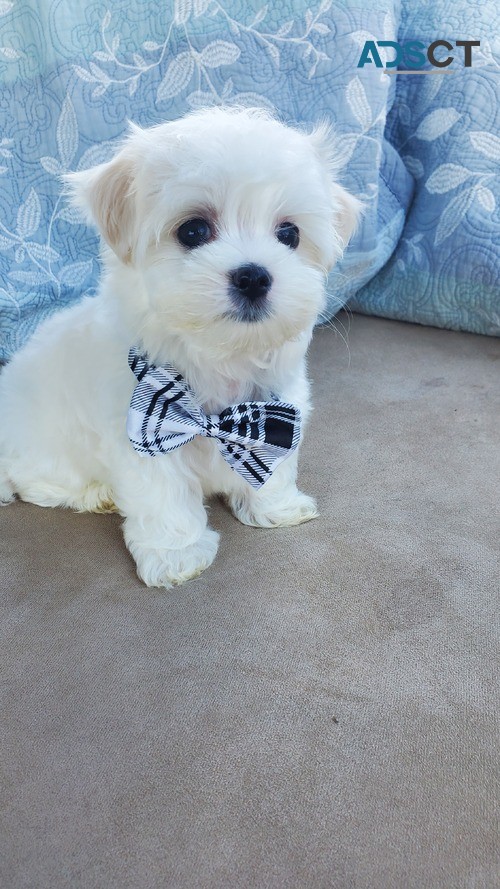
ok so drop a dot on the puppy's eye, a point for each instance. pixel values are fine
(194, 233)
(288, 234)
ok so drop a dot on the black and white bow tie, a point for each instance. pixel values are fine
(253, 437)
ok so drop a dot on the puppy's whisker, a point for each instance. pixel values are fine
(334, 323)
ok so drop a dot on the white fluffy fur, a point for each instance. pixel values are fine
(64, 396)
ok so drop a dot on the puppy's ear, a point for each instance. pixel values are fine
(348, 213)
(106, 195)
(348, 209)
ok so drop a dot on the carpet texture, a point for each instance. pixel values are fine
(320, 708)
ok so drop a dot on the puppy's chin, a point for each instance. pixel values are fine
(221, 339)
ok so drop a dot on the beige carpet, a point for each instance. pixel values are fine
(320, 708)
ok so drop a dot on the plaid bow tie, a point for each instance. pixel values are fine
(253, 437)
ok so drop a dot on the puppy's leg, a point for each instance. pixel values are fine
(165, 526)
(277, 503)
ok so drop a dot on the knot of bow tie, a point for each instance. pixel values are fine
(253, 437)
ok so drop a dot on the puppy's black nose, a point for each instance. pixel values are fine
(252, 281)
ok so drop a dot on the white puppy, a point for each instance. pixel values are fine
(220, 229)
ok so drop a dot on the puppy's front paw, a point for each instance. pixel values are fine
(170, 567)
(264, 511)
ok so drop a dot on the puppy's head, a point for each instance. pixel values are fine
(230, 220)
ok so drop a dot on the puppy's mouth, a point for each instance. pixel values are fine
(249, 287)
(249, 314)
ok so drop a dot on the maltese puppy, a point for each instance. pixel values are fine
(186, 376)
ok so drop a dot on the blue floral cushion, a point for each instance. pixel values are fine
(72, 75)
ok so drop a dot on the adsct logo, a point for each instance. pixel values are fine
(414, 54)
